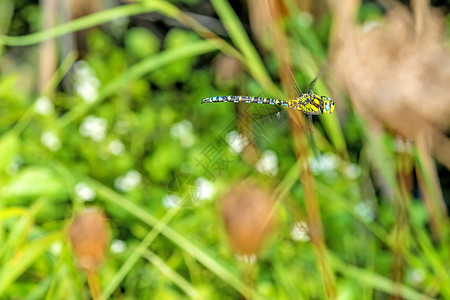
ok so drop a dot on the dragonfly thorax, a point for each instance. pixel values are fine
(312, 104)
(308, 103)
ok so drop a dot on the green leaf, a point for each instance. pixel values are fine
(35, 181)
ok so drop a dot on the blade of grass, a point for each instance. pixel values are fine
(137, 253)
(376, 281)
(299, 128)
(19, 233)
(6, 14)
(440, 270)
(10, 212)
(430, 187)
(90, 21)
(183, 284)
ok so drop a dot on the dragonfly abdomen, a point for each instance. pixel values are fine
(245, 99)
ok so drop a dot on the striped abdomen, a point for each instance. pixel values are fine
(245, 99)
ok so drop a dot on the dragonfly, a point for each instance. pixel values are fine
(308, 102)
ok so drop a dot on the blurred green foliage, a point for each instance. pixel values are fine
(63, 151)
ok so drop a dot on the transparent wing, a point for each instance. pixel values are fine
(309, 123)
(310, 87)
(269, 116)
(268, 121)
(294, 89)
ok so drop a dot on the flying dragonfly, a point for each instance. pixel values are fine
(308, 102)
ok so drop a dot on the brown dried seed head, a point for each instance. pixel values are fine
(88, 235)
(248, 213)
(397, 73)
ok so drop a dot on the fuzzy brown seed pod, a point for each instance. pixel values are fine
(88, 235)
(397, 72)
(248, 213)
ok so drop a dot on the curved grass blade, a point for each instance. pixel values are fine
(90, 21)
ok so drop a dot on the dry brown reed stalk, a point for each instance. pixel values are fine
(273, 12)
(54, 12)
(397, 75)
(78, 9)
(48, 56)
(88, 235)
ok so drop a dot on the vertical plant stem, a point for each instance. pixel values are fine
(299, 129)
(249, 275)
(94, 284)
(430, 188)
(404, 165)
(48, 57)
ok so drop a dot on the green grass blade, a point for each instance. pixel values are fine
(368, 278)
(183, 284)
(90, 21)
(137, 253)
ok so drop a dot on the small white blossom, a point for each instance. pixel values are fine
(236, 142)
(86, 84)
(363, 210)
(44, 106)
(182, 131)
(56, 248)
(171, 201)
(128, 181)
(325, 163)
(268, 164)
(299, 232)
(94, 128)
(51, 141)
(352, 171)
(204, 190)
(84, 192)
(116, 147)
(118, 246)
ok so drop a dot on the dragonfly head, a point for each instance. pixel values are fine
(328, 105)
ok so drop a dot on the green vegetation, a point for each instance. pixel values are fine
(117, 129)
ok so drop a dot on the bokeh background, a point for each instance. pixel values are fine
(116, 183)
